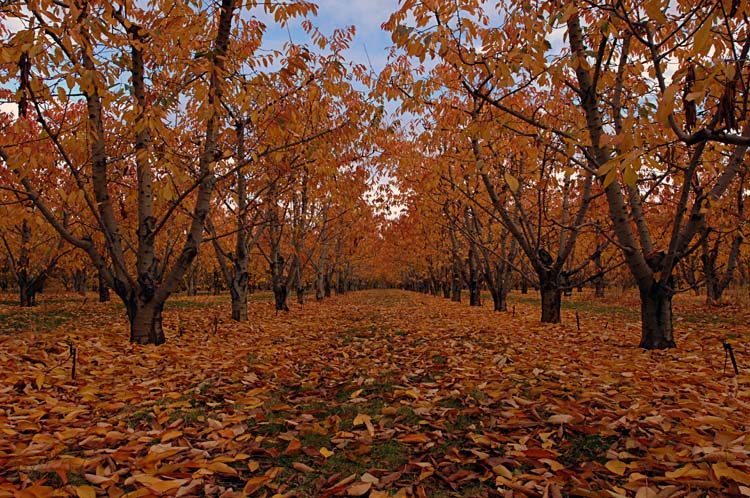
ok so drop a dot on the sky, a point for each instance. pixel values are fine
(370, 45)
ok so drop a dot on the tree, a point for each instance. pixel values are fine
(614, 73)
(169, 57)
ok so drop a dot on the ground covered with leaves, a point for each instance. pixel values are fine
(378, 393)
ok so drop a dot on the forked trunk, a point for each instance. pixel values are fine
(499, 299)
(656, 318)
(146, 322)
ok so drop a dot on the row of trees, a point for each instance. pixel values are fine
(560, 140)
(148, 133)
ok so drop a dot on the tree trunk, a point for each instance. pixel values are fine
(524, 285)
(499, 297)
(475, 293)
(319, 284)
(146, 322)
(551, 301)
(27, 295)
(327, 285)
(599, 286)
(656, 318)
(103, 289)
(192, 283)
(238, 291)
(216, 283)
(278, 282)
(239, 303)
(79, 281)
(475, 277)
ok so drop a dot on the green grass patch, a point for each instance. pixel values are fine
(587, 448)
(32, 319)
(389, 455)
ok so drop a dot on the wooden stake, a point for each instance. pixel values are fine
(578, 321)
(73, 360)
(729, 352)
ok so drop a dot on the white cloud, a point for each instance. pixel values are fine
(9, 108)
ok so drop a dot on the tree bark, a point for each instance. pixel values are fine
(656, 317)
(239, 301)
(551, 300)
(103, 288)
(79, 281)
(145, 322)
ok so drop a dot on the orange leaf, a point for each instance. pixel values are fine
(414, 438)
(617, 467)
(85, 492)
(358, 489)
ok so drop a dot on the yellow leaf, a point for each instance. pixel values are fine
(85, 492)
(39, 381)
(702, 37)
(688, 470)
(361, 419)
(358, 489)
(617, 467)
(553, 464)
(414, 438)
(646, 492)
(162, 486)
(655, 11)
(254, 484)
(326, 452)
(630, 176)
(302, 467)
(666, 104)
(721, 469)
(512, 182)
(503, 471)
(561, 418)
(170, 435)
(222, 468)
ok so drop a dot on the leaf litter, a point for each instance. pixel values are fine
(378, 393)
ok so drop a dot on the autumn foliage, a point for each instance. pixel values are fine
(580, 163)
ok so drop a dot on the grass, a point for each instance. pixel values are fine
(587, 448)
(33, 319)
(389, 455)
(588, 306)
